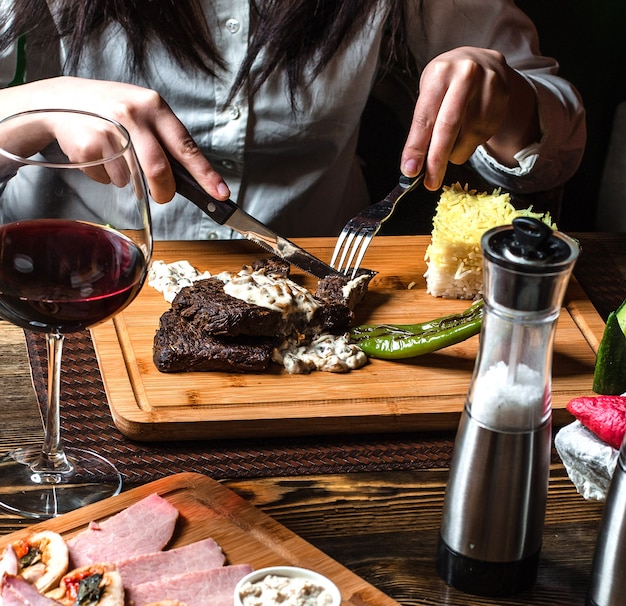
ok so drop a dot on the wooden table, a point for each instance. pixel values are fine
(383, 525)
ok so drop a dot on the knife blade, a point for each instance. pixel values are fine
(226, 212)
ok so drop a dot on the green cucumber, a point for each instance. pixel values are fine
(609, 377)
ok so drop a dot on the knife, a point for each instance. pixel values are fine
(226, 212)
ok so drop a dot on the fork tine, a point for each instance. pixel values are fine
(347, 245)
(359, 231)
(367, 238)
(356, 243)
(340, 240)
(346, 255)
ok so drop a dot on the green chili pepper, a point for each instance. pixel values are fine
(398, 341)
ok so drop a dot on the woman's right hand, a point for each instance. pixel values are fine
(469, 97)
(153, 126)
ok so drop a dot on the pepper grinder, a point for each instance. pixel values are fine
(607, 585)
(494, 507)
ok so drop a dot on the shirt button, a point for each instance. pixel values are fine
(233, 112)
(228, 164)
(233, 25)
(212, 235)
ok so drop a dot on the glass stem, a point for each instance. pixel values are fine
(52, 459)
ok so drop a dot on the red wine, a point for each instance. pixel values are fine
(59, 275)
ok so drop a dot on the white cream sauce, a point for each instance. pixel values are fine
(271, 292)
(352, 284)
(326, 352)
(169, 278)
(273, 590)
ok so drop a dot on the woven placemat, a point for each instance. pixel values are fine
(86, 422)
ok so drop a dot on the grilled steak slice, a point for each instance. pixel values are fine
(213, 312)
(274, 266)
(340, 289)
(181, 345)
(332, 317)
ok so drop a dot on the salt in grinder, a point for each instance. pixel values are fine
(494, 507)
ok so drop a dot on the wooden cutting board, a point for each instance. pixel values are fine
(245, 534)
(423, 393)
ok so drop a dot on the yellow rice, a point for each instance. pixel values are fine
(454, 257)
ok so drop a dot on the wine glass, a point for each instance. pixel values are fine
(75, 245)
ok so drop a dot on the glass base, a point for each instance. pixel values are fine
(47, 495)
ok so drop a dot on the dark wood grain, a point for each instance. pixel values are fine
(385, 527)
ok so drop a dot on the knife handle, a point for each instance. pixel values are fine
(187, 186)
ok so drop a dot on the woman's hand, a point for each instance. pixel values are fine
(152, 125)
(468, 97)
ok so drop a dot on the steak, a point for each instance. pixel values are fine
(214, 586)
(331, 317)
(274, 266)
(215, 313)
(200, 555)
(144, 527)
(180, 345)
(342, 290)
(208, 329)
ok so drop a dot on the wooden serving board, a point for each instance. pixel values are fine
(245, 534)
(423, 393)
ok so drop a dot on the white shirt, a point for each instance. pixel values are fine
(298, 171)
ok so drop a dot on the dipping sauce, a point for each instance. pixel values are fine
(286, 591)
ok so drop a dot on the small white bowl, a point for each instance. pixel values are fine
(290, 572)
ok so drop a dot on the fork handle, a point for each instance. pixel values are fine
(405, 185)
(410, 182)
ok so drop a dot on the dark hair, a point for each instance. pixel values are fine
(292, 34)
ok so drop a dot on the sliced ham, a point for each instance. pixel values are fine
(201, 555)
(9, 563)
(144, 527)
(17, 592)
(214, 587)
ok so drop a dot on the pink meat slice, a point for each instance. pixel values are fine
(17, 592)
(144, 527)
(9, 564)
(200, 555)
(200, 588)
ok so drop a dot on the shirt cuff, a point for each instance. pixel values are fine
(526, 159)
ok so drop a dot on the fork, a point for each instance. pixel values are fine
(358, 232)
